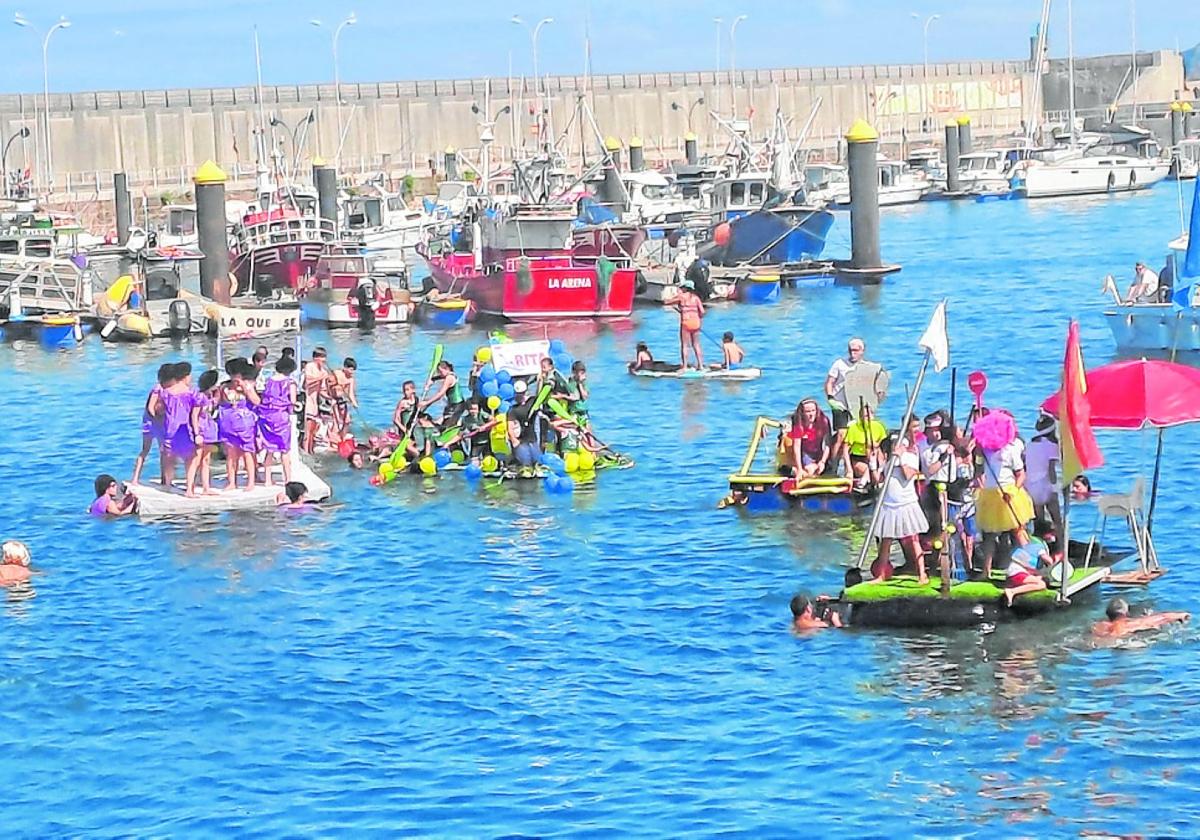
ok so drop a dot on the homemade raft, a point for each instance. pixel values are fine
(734, 375)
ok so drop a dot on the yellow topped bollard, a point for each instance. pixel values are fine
(953, 147)
(690, 151)
(210, 232)
(861, 163)
(964, 134)
(209, 173)
(637, 155)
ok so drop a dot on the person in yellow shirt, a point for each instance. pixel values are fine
(862, 458)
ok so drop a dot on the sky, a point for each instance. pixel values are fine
(130, 44)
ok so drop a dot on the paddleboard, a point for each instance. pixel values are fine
(737, 375)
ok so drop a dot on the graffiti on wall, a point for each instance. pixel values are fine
(948, 97)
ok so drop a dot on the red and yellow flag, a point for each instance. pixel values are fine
(1080, 451)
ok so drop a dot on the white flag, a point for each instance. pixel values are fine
(935, 339)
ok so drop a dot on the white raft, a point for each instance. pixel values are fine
(154, 500)
(736, 375)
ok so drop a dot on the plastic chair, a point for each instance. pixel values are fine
(1127, 506)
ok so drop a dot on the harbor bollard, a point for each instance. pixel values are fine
(1176, 123)
(964, 135)
(325, 180)
(953, 141)
(862, 148)
(690, 152)
(614, 192)
(637, 155)
(122, 207)
(210, 232)
(450, 163)
(1188, 114)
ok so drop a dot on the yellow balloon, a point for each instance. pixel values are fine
(484, 354)
(398, 461)
(386, 471)
(428, 466)
(571, 460)
(493, 403)
(587, 461)
(490, 464)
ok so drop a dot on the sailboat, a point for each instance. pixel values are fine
(1111, 160)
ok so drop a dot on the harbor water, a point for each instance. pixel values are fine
(448, 659)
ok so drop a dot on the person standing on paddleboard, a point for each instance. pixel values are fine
(835, 393)
(691, 314)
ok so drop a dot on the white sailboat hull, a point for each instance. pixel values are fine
(1093, 176)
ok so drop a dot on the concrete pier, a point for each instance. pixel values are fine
(953, 141)
(210, 230)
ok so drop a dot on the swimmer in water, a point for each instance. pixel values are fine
(1119, 624)
(294, 496)
(107, 503)
(14, 564)
(804, 617)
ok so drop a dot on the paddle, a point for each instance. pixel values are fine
(562, 413)
(438, 351)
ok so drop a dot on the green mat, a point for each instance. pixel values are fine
(974, 590)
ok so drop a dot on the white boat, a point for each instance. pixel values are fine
(993, 170)
(346, 293)
(1166, 326)
(385, 221)
(1095, 167)
(152, 302)
(898, 184)
(1185, 159)
(654, 201)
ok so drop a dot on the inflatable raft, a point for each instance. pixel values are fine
(735, 375)
(154, 500)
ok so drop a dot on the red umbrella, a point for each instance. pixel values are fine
(1136, 393)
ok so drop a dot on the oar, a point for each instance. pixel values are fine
(560, 411)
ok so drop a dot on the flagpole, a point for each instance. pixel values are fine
(891, 463)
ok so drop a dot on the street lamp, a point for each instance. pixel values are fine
(537, 79)
(675, 106)
(925, 71)
(337, 79)
(733, 60)
(20, 20)
(23, 132)
(720, 23)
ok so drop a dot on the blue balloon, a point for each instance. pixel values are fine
(490, 388)
(506, 392)
(563, 362)
(551, 484)
(505, 405)
(487, 373)
(566, 484)
(503, 377)
(474, 470)
(442, 457)
(556, 346)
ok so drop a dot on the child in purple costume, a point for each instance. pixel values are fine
(178, 440)
(237, 423)
(152, 421)
(204, 432)
(275, 419)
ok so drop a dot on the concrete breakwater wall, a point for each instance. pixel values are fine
(160, 137)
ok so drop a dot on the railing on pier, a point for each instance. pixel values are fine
(46, 284)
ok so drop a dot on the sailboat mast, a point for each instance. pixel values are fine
(1133, 54)
(1071, 70)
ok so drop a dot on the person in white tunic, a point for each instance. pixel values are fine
(900, 516)
(1041, 472)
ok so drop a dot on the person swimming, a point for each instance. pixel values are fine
(14, 563)
(804, 616)
(294, 498)
(108, 501)
(1118, 624)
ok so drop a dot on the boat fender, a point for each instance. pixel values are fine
(179, 317)
(1132, 178)
(639, 283)
(1112, 180)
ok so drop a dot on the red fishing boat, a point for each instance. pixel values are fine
(522, 265)
(278, 248)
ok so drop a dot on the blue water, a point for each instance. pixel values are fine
(440, 659)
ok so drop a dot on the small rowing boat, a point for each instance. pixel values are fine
(676, 372)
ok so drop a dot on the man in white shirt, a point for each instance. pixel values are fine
(1144, 288)
(835, 392)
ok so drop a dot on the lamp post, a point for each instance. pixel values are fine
(675, 106)
(20, 20)
(487, 133)
(925, 71)
(23, 132)
(720, 24)
(350, 20)
(534, 32)
(733, 60)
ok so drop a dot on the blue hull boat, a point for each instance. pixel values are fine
(772, 237)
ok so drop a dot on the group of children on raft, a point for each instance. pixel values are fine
(982, 486)
(246, 416)
(491, 419)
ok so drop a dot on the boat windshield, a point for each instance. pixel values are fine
(364, 212)
(181, 221)
(656, 191)
(517, 234)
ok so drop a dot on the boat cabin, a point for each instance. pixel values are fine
(341, 269)
(742, 194)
